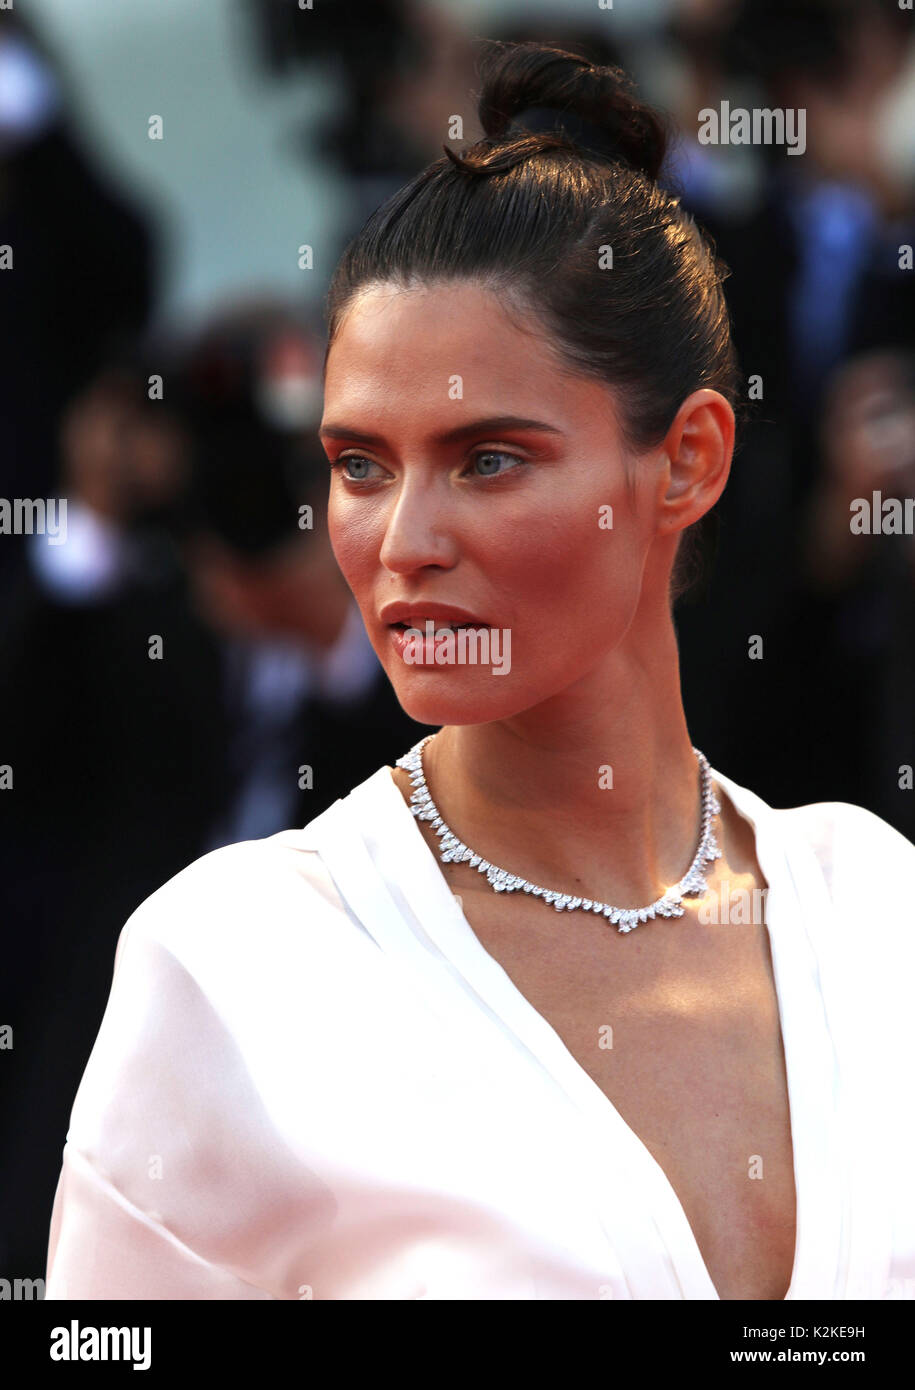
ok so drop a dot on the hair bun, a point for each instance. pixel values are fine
(537, 87)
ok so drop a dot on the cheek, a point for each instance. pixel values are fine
(570, 572)
(353, 541)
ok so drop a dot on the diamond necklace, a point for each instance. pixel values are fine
(451, 849)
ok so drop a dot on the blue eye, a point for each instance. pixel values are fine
(494, 454)
(352, 459)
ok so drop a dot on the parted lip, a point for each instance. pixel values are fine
(417, 610)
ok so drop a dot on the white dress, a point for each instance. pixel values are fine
(312, 1081)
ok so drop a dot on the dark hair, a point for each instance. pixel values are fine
(530, 213)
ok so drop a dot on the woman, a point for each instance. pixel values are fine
(370, 1058)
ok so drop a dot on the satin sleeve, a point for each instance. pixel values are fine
(146, 1205)
(181, 1176)
(101, 1246)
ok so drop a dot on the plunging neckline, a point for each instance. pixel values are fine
(807, 1045)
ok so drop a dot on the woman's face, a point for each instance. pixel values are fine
(469, 469)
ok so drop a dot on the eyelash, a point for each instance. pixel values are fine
(337, 464)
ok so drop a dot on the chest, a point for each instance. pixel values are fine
(680, 1031)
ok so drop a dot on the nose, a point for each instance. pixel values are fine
(418, 533)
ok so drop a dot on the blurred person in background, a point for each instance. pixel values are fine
(823, 245)
(84, 270)
(398, 64)
(860, 573)
(812, 246)
(117, 759)
(824, 307)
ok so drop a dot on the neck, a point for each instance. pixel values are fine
(534, 794)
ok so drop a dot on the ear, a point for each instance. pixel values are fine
(697, 453)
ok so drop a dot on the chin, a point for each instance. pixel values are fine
(441, 698)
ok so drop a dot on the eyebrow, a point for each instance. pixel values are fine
(492, 425)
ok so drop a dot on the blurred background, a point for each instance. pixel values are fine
(162, 171)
